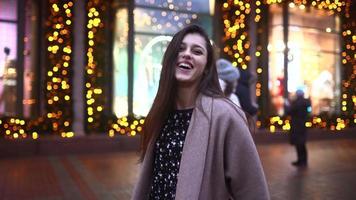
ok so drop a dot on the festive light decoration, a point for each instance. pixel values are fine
(283, 123)
(348, 56)
(94, 69)
(58, 77)
(125, 126)
(236, 38)
(13, 128)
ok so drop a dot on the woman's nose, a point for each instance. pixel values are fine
(186, 54)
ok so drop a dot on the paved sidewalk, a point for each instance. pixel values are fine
(331, 174)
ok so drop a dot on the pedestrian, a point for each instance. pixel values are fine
(228, 77)
(244, 94)
(196, 143)
(298, 110)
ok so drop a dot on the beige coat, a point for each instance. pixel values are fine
(219, 159)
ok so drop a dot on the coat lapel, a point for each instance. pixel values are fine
(194, 152)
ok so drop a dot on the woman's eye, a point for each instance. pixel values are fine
(198, 52)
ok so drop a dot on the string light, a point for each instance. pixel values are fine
(58, 79)
(126, 126)
(94, 73)
(236, 37)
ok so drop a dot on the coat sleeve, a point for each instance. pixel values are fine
(244, 174)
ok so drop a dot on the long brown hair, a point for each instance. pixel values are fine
(164, 102)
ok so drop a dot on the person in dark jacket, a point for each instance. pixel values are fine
(298, 110)
(243, 93)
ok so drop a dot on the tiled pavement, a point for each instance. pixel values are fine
(331, 174)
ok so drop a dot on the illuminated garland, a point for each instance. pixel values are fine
(283, 123)
(236, 38)
(348, 101)
(13, 128)
(94, 69)
(58, 77)
(125, 126)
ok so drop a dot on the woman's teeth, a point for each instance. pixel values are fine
(185, 66)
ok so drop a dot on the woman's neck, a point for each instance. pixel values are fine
(186, 97)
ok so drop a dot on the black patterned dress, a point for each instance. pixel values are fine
(168, 152)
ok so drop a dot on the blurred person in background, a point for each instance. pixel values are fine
(243, 93)
(298, 110)
(228, 79)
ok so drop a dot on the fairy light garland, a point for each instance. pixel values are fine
(125, 126)
(348, 56)
(13, 128)
(58, 77)
(236, 37)
(94, 72)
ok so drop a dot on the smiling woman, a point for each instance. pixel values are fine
(196, 143)
(136, 77)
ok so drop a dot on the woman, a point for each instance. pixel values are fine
(196, 143)
(228, 77)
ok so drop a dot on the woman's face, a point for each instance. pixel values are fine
(192, 59)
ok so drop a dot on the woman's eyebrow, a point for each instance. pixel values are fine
(194, 46)
(199, 47)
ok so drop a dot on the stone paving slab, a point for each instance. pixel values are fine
(331, 174)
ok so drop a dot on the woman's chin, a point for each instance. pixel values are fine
(183, 78)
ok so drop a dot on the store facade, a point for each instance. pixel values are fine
(78, 67)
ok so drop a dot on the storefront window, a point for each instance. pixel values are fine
(120, 56)
(8, 57)
(10, 28)
(313, 56)
(276, 56)
(155, 22)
